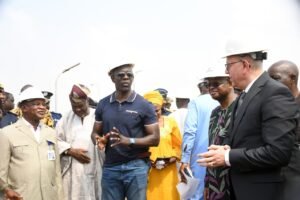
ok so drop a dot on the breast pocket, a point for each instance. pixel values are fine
(21, 149)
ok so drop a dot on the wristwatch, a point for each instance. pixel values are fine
(131, 142)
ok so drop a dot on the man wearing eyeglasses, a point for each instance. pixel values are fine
(125, 126)
(262, 131)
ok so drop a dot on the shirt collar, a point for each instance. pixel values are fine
(250, 84)
(29, 125)
(131, 97)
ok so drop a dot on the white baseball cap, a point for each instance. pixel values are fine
(31, 93)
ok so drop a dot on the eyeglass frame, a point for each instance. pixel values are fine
(227, 65)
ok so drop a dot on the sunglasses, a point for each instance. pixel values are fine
(123, 74)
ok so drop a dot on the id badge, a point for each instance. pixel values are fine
(51, 155)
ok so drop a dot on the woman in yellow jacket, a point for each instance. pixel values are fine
(163, 175)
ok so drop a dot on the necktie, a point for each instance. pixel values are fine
(240, 101)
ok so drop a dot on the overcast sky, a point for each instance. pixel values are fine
(172, 42)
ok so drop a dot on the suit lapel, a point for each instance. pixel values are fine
(254, 90)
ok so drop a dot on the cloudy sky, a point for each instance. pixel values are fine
(172, 42)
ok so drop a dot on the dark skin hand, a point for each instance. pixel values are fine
(117, 138)
(206, 194)
(12, 195)
(182, 166)
(80, 155)
(101, 141)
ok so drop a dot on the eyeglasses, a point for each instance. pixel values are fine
(216, 84)
(227, 65)
(123, 74)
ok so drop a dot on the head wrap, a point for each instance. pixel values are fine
(154, 97)
(79, 92)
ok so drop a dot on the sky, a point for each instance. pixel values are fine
(171, 42)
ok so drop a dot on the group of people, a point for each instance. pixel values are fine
(240, 138)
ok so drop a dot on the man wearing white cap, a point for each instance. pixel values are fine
(30, 167)
(126, 126)
(263, 126)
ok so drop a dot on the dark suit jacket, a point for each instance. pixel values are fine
(291, 173)
(262, 135)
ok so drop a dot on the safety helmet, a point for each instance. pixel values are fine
(31, 93)
(182, 93)
(213, 72)
(246, 45)
(119, 62)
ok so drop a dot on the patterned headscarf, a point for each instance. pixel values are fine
(154, 97)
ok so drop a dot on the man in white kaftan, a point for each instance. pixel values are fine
(81, 161)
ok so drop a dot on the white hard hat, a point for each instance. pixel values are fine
(243, 44)
(119, 63)
(31, 93)
(182, 93)
(217, 71)
(235, 47)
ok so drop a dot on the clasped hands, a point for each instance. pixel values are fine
(114, 136)
(214, 157)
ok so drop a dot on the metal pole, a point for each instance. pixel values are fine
(56, 82)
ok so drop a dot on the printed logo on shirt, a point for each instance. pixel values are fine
(131, 111)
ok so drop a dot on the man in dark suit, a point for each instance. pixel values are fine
(262, 131)
(287, 73)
